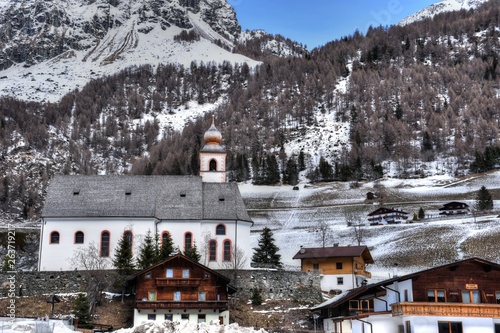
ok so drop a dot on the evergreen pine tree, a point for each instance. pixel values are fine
(301, 161)
(123, 260)
(421, 213)
(167, 247)
(484, 200)
(266, 254)
(256, 297)
(148, 252)
(192, 253)
(81, 310)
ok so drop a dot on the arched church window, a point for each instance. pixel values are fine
(188, 241)
(79, 237)
(213, 165)
(127, 235)
(220, 229)
(227, 250)
(105, 244)
(212, 250)
(54, 237)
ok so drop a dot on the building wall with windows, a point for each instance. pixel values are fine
(181, 289)
(460, 297)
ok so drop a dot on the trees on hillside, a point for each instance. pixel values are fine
(266, 254)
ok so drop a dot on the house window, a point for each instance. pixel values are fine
(227, 250)
(169, 273)
(339, 265)
(54, 237)
(212, 250)
(213, 165)
(79, 237)
(436, 295)
(202, 296)
(151, 316)
(177, 295)
(201, 318)
(105, 244)
(148, 275)
(471, 296)
(340, 280)
(185, 316)
(408, 326)
(185, 273)
(315, 267)
(188, 241)
(220, 229)
(497, 296)
(497, 328)
(169, 316)
(152, 296)
(450, 327)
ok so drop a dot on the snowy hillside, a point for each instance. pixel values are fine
(440, 7)
(294, 217)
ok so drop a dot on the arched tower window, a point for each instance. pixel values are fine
(213, 165)
(188, 241)
(227, 250)
(54, 237)
(79, 237)
(105, 244)
(212, 250)
(220, 229)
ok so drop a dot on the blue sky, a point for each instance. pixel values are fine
(317, 22)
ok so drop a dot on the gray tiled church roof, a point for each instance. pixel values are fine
(162, 197)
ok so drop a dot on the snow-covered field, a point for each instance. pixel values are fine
(397, 249)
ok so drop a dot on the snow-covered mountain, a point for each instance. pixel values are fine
(441, 7)
(50, 48)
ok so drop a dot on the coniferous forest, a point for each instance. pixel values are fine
(422, 92)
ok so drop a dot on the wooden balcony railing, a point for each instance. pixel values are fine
(363, 273)
(170, 305)
(170, 282)
(446, 309)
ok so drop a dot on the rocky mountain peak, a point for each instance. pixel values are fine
(34, 31)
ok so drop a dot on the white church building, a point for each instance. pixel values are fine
(203, 211)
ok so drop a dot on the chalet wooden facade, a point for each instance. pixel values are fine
(340, 267)
(181, 289)
(385, 215)
(459, 297)
(454, 208)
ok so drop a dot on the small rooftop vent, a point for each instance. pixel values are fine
(183, 194)
(128, 191)
(76, 191)
(221, 198)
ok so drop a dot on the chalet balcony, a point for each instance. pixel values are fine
(171, 305)
(170, 282)
(484, 310)
(362, 273)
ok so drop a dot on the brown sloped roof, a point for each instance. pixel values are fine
(335, 252)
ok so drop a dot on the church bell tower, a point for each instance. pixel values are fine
(213, 157)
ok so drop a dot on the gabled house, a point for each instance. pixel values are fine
(179, 288)
(460, 297)
(340, 267)
(454, 208)
(387, 216)
(203, 211)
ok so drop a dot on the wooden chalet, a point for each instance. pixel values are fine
(341, 267)
(179, 288)
(460, 297)
(454, 208)
(387, 216)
